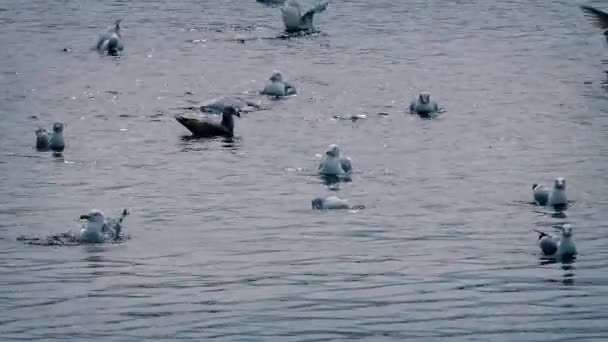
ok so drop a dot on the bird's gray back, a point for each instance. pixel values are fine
(541, 195)
(548, 245)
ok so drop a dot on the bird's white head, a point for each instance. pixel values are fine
(317, 203)
(560, 183)
(424, 97)
(567, 230)
(58, 127)
(94, 216)
(333, 150)
(41, 132)
(276, 76)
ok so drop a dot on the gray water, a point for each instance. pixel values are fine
(224, 243)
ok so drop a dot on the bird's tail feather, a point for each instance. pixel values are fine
(540, 234)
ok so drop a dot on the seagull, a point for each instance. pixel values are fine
(333, 202)
(217, 106)
(110, 40)
(559, 246)
(423, 105)
(555, 197)
(277, 86)
(598, 18)
(206, 129)
(334, 164)
(43, 140)
(57, 144)
(296, 20)
(98, 228)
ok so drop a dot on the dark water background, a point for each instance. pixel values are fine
(224, 244)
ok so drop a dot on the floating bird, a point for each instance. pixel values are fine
(555, 197)
(334, 164)
(57, 144)
(111, 40)
(351, 117)
(423, 105)
(296, 20)
(562, 246)
(99, 229)
(217, 106)
(333, 202)
(598, 18)
(277, 86)
(43, 140)
(206, 129)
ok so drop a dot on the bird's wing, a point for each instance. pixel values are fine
(291, 16)
(253, 104)
(541, 234)
(320, 7)
(202, 128)
(346, 165)
(307, 18)
(541, 195)
(103, 40)
(289, 89)
(599, 18)
(548, 245)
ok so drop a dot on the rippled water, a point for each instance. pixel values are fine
(224, 243)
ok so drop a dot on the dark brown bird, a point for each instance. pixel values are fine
(207, 129)
(598, 18)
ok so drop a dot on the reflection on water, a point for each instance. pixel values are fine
(193, 143)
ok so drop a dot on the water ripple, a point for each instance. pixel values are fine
(225, 245)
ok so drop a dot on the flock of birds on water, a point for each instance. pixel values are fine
(334, 165)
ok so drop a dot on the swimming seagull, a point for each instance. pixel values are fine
(351, 117)
(296, 20)
(555, 198)
(57, 144)
(110, 40)
(598, 18)
(562, 246)
(334, 164)
(333, 202)
(423, 105)
(277, 86)
(217, 106)
(206, 129)
(98, 228)
(43, 140)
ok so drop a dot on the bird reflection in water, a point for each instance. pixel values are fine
(191, 143)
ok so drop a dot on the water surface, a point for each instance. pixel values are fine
(224, 244)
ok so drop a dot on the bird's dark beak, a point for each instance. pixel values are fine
(236, 113)
(84, 217)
